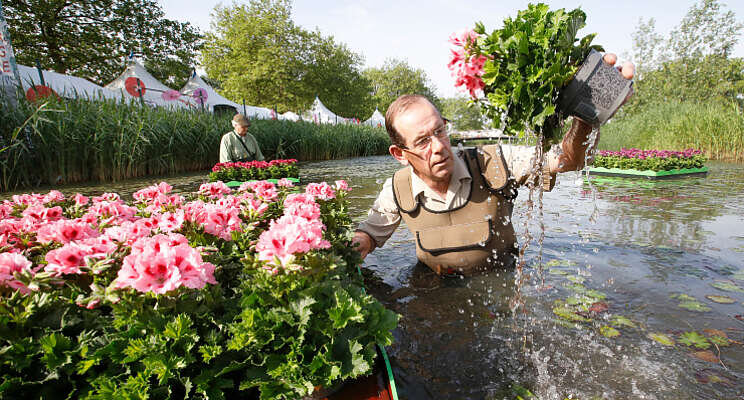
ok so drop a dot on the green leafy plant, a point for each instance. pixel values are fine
(522, 67)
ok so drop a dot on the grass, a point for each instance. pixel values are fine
(69, 141)
(716, 128)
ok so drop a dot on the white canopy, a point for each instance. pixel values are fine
(135, 80)
(199, 91)
(64, 85)
(289, 116)
(377, 119)
(321, 114)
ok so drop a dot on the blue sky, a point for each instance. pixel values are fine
(418, 30)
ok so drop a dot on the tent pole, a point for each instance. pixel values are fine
(41, 75)
(244, 113)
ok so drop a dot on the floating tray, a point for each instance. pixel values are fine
(233, 184)
(648, 174)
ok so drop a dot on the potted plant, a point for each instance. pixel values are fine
(526, 76)
(251, 293)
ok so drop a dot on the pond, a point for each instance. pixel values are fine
(651, 251)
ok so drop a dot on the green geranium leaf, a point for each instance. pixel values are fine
(576, 279)
(569, 314)
(727, 286)
(694, 339)
(608, 331)
(662, 338)
(694, 305)
(554, 271)
(619, 321)
(720, 299)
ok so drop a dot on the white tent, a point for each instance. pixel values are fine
(321, 114)
(213, 100)
(63, 85)
(200, 92)
(377, 119)
(135, 81)
(289, 116)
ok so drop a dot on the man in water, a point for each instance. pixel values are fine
(239, 145)
(458, 204)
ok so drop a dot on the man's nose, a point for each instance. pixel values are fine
(438, 144)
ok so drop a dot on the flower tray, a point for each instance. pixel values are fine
(234, 184)
(648, 174)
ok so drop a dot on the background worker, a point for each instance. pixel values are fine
(239, 145)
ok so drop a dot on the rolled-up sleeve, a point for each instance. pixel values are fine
(383, 218)
(520, 160)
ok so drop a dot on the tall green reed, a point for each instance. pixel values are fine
(67, 141)
(714, 127)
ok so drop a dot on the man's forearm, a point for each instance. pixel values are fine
(573, 146)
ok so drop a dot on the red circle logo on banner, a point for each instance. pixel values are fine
(39, 92)
(135, 86)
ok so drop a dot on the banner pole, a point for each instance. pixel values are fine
(5, 38)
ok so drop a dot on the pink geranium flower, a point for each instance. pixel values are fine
(163, 263)
(284, 182)
(321, 191)
(302, 205)
(342, 185)
(67, 260)
(11, 263)
(214, 189)
(467, 68)
(288, 236)
(65, 231)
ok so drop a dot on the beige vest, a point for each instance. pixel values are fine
(476, 236)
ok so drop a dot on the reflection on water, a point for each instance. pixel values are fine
(457, 338)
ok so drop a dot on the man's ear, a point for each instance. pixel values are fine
(396, 152)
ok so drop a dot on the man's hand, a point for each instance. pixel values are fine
(363, 242)
(575, 143)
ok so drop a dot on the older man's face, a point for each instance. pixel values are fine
(435, 162)
(241, 129)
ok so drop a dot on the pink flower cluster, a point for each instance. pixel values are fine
(252, 164)
(466, 67)
(644, 154)
(162, 263)
(214, 189)
(11, 264)
(156, 197)
(298, 231)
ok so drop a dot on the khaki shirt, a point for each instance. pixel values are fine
(383, 218)
(232, 150)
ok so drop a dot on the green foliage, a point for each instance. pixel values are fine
(396, 78)
(694, 339)
(257, 53)
(650, 163)
(90, 38)
(530, 59)
(463, 114)
(243, 173)
(666, 340)
(78, 141)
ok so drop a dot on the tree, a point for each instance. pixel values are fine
(396, 78)
(693, 63)
(335, 77)
(463, 114)
(257, 53)
(90, 38)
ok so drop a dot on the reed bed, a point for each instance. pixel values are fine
(69, 141)
(716, 128)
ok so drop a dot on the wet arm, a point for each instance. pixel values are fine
(573, 148)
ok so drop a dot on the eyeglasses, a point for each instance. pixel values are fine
(422, 144)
